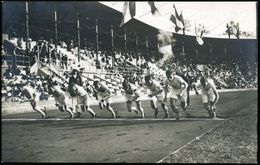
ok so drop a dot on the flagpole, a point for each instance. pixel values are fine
(158, 48)
(55, 28)
(27, 26)
(183, 30)
(97, 47)
(125, 40)
(225, 53)
(196, 50)
(49, 51)
(78, 27)
(197, 54)
(56, 32)
(146, 44)
(210, 51)
(136, 48)
(112, 45)
(38, 52)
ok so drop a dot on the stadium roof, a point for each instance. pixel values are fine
(213, 15)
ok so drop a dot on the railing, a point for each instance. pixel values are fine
(20, 60)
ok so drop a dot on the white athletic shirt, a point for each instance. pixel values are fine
(209, 87)
(103, 88)
(58, 89)
(176, 82)
(155, 86)
(81, 90)
(30, 92)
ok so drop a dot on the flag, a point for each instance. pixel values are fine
(233, 29)
(237, 31)
(132, 9)
(228, 31)
(199, 37)
(176, 19)
(128, 12)
(154, 10)
(177, 14)
(182, 21)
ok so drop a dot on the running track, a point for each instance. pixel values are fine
(27, 138)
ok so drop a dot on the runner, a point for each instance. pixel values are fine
(103, 95)
(83, 99)
(132, 95)
(29, 92)
(61, 100)
(157, 93)
(178, 91)
(209, 95)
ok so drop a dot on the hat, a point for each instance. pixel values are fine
(73, 71)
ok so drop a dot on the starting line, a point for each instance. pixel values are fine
(118, 119)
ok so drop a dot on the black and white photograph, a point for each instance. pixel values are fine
(129, 82)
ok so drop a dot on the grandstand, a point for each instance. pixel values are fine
(177, 92)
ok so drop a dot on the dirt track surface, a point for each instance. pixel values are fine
(121, 140)
(233, 141)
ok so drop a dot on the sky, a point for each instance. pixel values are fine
(213, 15)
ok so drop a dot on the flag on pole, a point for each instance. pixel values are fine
(237, 31)
(182, 21)
(128, 12)
(176, 19)
(228, 31)
(154, 10)
(132, 9)
(199, 35)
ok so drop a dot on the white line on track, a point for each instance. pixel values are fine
(119, 119)
(197, 138)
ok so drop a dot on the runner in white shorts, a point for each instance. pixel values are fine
(61, 100)
(132, 94)
(178, 91)
(209, 95)
(83, 99)
(157, 93)
(103, 94)
(29, 92)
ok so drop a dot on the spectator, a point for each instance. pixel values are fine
(66, 61)
(53, 55)
(20, 42)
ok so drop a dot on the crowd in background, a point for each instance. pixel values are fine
(233, 74)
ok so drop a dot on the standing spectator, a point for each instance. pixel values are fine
(44, 52)
(62, 60)
(74, 79)
(12, 33)
(66, 61)
(20, 42)
(28, 44)
(53, 55)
